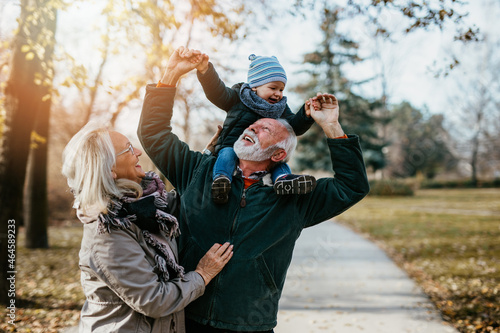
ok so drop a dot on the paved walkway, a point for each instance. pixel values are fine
(340, 282)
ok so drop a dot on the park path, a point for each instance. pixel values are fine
(340, 282)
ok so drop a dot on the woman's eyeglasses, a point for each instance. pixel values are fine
(130, 147)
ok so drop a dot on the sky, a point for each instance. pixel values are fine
(410, 60)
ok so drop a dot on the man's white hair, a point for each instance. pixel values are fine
(88, 160)
(289, 143)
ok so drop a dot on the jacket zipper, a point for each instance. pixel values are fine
(242, 204)
(243, 201)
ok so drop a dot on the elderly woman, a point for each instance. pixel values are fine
(128, 258)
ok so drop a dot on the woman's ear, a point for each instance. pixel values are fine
(113, 173)
(278, 155)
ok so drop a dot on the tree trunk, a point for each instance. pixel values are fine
(474, 160)
(22, 100)
(35, 196)
(478, 130)
(35, 199)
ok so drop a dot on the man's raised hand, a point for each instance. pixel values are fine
(195, 57)
(324, 109)
(182, 61)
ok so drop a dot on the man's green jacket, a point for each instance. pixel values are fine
(262, 226)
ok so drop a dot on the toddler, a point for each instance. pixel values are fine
(261, 97)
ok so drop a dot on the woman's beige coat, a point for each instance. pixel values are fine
(122, 289)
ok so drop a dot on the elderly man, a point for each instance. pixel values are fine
(262, 225)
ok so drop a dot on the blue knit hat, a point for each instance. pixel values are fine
(264, 70)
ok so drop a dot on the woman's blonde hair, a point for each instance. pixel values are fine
(88, 160)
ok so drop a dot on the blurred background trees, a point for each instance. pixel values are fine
(475, 101)
(420, 144)
(27, 108)
(324, 67)
(57, 73)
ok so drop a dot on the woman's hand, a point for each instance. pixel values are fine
(214, 260)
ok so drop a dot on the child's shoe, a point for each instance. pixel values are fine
(294, 184)
(220, 189)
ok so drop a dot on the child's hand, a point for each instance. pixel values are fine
(316, 104)
(203, 66)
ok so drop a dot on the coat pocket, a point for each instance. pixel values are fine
(247, 295)
(266, 274)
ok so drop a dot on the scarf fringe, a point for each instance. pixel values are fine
(160, 201)
(163, 261)
(161, 265)
(110, 220)
(168, 224)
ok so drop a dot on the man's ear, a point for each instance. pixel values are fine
(278, 155)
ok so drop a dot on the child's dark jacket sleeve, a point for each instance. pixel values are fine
(216, 90)
(299, 121)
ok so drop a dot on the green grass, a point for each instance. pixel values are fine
(449, 242)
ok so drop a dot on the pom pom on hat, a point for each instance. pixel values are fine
(263, 70)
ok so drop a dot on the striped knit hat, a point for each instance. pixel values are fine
(264, 70)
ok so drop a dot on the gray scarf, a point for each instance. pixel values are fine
(151, 213)
(259, 105)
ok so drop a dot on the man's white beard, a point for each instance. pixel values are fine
(254, 152)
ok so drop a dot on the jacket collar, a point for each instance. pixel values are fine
(263, 175)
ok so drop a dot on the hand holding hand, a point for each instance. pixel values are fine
(182, 61)
(214, 260)
(314, 104)
(195, 57)
(324, 109)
